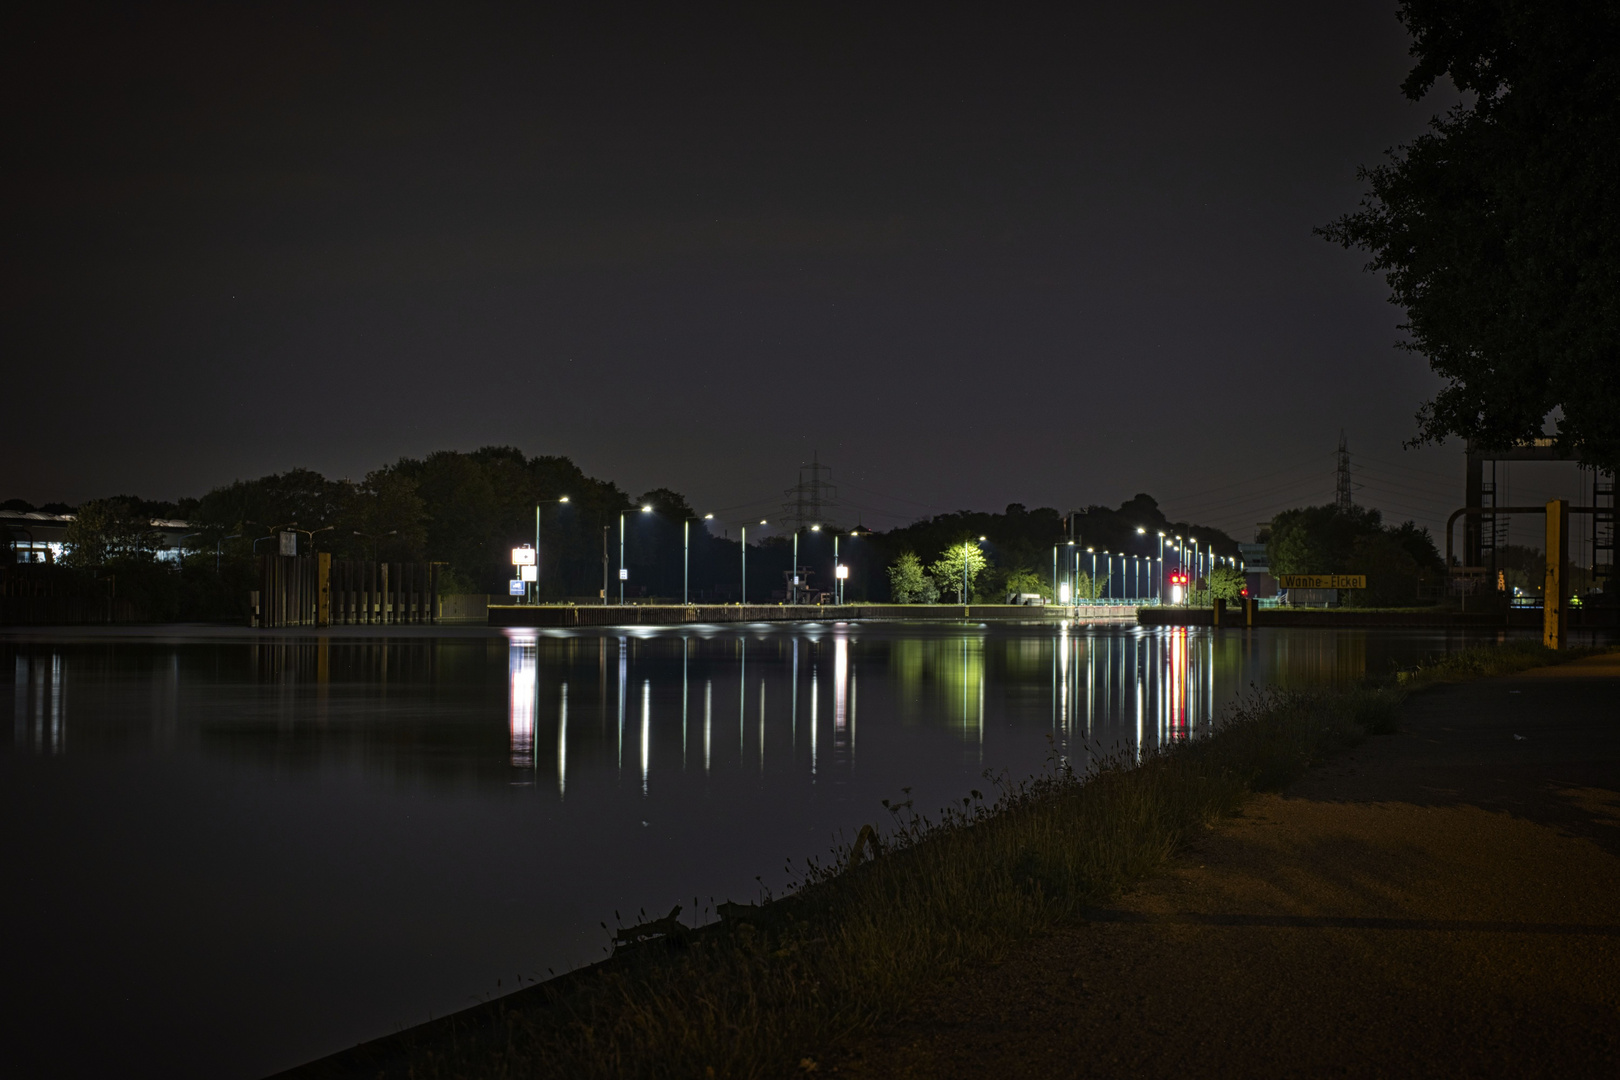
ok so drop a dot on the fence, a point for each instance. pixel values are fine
(36, 594)
(322, 591)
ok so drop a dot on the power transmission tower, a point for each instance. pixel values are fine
(809, 500)
(1343, 497)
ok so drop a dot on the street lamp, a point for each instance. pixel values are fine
(1158, 585)
(686, 556)
(745, 561)
(840, 572)
(374, 539)
(965, 567)
(1093, 590)
(563, 499)
(1068, 570)
(793, 578)
(274, 532)
(623, 573)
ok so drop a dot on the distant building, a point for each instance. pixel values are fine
(1256, 565)
(38, 537)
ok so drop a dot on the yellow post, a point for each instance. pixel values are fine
(1251, 611)
(1554, 618)
(323, 589)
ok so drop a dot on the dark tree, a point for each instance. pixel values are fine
(1499, 229)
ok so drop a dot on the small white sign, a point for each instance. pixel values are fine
(842, 572)
(289, 543)
(529, 573)
(515, 587)
(523, 556)
(624, 573)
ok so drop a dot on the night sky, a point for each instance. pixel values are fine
(970, 256)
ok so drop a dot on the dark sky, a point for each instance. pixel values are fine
(970, 256)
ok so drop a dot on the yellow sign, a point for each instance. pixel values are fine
(1322, 581)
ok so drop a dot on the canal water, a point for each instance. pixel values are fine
(225, 853)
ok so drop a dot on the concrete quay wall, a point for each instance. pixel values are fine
(546, 615)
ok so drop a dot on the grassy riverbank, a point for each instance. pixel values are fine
(757, 994)
(1487, 660)
(915, 902)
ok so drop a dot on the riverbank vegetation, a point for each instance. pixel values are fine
(922, 899)
(1505, 658)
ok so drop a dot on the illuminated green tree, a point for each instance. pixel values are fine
(948, 570)
(1087, 588)
(1021, 580)
(907, 582)
(1227, 583)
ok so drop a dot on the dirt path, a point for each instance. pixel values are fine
(1443, 902)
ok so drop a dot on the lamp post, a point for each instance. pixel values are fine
(745, 561)
(1192, 582)
(1070, 562)
(1158, 584)
(839, 574)
(622, 574)
(537, 548)
(274, 531)
(374, 539)
(965, 566)
(686, 556)
(793, 576)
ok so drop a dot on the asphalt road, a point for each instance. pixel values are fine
(1442, 902)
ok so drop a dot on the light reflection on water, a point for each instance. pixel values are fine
(1112, 692)
(266, 847)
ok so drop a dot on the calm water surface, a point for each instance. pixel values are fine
(228, 853)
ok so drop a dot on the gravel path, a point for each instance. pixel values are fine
(1442, 902)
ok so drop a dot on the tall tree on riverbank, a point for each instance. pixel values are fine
(1499, 230)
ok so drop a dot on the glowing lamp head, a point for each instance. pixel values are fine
(708, 517)
(646, 509)
(563, 499)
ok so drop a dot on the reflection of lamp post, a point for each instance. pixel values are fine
(745, 561)
(622, 574)
(563, 499)
(686, 556)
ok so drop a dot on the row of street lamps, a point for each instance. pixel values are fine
(1186, 549)
(840, 571)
